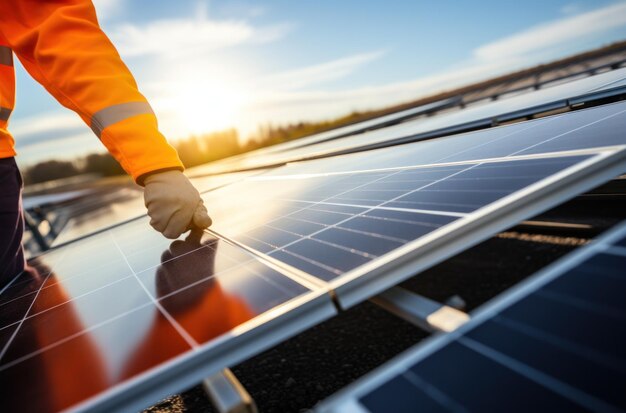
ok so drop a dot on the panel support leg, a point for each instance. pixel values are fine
(421, 311)
(228, 394)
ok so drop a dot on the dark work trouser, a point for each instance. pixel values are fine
(11, 221)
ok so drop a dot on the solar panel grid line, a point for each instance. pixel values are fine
(397, 265)
(7, 285)
(589, 402)
(295, 274)
(413, 210)
(353, 250)
(372, 234)
(403, 365)
(570, 131)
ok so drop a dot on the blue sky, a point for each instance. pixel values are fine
(208, 65)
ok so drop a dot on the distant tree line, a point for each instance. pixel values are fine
(193, 151)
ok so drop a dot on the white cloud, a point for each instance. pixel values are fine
(186, 36)
(106, 9)
(555, 33)
(24, 128)
(520, 50)
(323, 72)
(572, 8)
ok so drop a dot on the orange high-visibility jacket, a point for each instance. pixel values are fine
(61, 45)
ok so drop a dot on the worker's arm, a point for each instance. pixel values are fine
(61, 45)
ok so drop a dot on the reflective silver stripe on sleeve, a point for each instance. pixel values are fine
(5, 113)
(117, 113)
(6, 56)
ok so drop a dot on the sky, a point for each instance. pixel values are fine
(210, 65)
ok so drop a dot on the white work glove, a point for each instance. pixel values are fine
(174, 205)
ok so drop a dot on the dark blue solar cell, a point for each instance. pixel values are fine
(331, 256)
(320, 216)
(480, 384)
(621, 242)
(301, 228)
(610, 265)
(274, 237)
(362, 242)
(399, 395)
(590, 286)
(319, 270)
(449, 200)
(576, 368)
(394, 230)
(562, 320)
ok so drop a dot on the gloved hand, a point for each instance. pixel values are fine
(174, 205)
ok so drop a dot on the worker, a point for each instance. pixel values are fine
(61, 45)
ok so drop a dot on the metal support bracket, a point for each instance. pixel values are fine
(228, 394)
(421, 311)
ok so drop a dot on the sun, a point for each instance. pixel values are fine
(204, 106)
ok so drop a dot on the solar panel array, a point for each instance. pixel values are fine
(554, 343)
(124, 316)
(471, 118)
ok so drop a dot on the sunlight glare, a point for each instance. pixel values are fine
(203, 105)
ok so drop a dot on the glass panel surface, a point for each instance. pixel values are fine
(93, 314)
(327, 224)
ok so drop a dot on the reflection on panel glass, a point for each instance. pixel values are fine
(93, 314)
(328, 224)
(112, 213)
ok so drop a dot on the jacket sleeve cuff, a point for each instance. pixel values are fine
(141, 178)
(140, 148)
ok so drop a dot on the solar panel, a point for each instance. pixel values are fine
(366, 221)
(555, 342)
(471, 118)
(125, 317)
